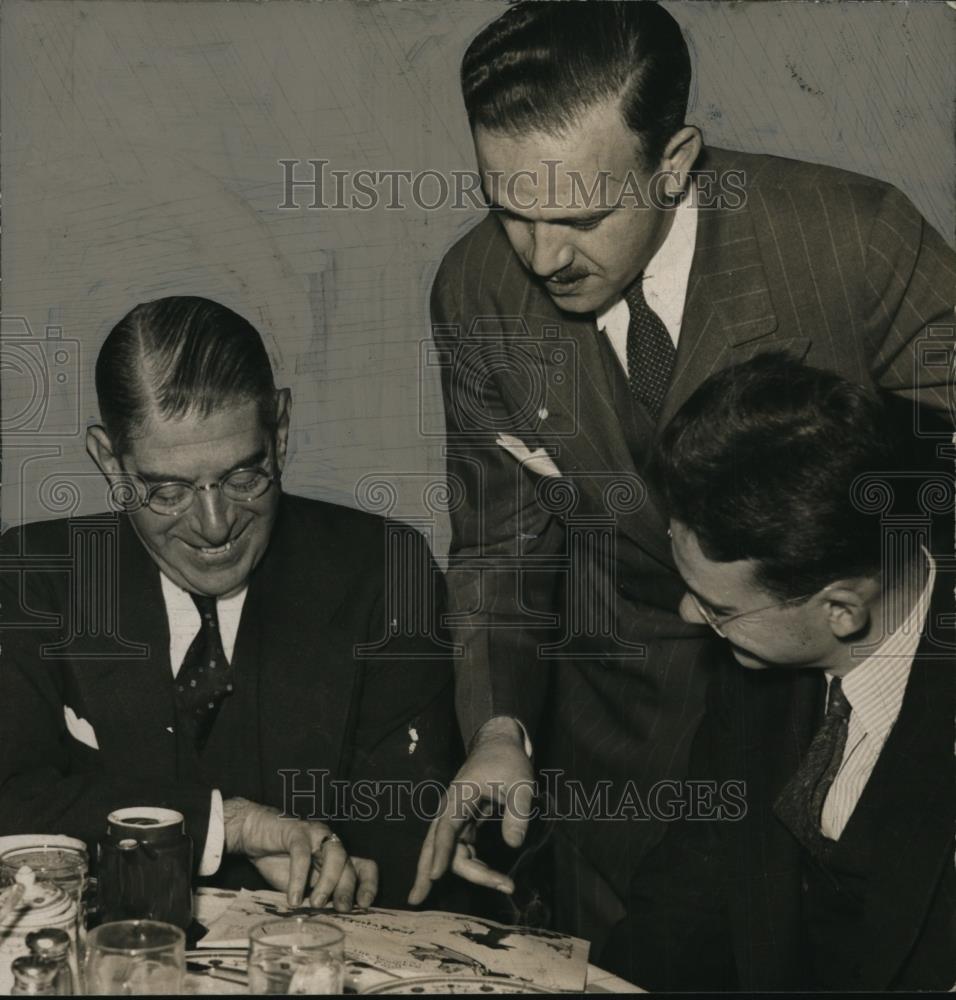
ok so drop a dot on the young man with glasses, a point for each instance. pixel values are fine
(201, 650)
(814, 543)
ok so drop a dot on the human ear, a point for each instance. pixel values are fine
(847, 608)
(100, 448)
(283, 412)
(680, 155)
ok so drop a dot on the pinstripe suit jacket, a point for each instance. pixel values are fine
(562, 590)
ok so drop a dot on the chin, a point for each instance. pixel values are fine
(217, 581)
(588, 294)
(221, 584)
(575, 303)
(748, 660)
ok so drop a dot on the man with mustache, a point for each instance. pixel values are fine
(221, 648)
(621, 264)
(808, 545)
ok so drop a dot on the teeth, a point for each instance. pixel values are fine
(216, 551)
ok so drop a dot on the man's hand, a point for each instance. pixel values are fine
(497, 774)
(286, 850)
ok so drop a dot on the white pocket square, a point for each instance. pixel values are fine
(537, 461)
(79, 728)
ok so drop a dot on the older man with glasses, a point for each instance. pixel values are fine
(218, 646)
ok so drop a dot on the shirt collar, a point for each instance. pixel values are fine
(180, 600)
(667, 273)
(875, 687)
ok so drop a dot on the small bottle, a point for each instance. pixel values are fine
(52, 944)
(33, 976)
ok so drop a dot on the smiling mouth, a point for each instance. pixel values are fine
(212, 551)
(219, 550)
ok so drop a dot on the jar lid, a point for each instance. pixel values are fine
(49, 862)
(51, 942)
(145, 824)
(33, 970)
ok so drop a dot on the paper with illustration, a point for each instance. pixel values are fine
(383, 944)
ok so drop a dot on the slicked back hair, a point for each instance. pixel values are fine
(540, 65)
(180, 355)
(760, 463)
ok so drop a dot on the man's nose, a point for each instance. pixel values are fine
(550, 250)
(689, 611)
(215, 515)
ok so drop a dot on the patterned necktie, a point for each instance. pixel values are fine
(205, 678)
(650, 351)
(800, 804)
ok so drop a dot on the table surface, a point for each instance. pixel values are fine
(209, 905)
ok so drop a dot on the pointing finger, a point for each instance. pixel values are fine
(518, 805)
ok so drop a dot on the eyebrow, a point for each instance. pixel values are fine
(563, 220)
(257, 458)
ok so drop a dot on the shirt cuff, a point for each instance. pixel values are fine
(526, 739)
(215, 837)
(528, 748)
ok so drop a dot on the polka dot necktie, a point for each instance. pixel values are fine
(205, 678)
(650, 351)
(800, 803)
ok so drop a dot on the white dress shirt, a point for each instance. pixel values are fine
(666, 278)
(184, 623)
(874, 689)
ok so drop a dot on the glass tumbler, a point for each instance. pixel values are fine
(135, 958)
(296, 955)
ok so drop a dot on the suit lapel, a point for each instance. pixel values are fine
(294, 661)
(137, 688)
(728, 299)
(584, 424)
(582, 421)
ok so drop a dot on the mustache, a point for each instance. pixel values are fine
(566, 276)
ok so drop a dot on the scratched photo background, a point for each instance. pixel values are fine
(139, 158)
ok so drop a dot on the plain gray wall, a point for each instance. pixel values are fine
(139, 158)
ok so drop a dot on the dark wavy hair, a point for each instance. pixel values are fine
(760, 463)
(179, 355)
(540, 65)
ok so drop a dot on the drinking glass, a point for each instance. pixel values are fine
(296, 955)
(135, 958)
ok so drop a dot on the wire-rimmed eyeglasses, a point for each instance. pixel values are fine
(176, 496)
(717, 622)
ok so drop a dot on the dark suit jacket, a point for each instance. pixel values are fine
(722, 904)
(85, 627)
(833, 267)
